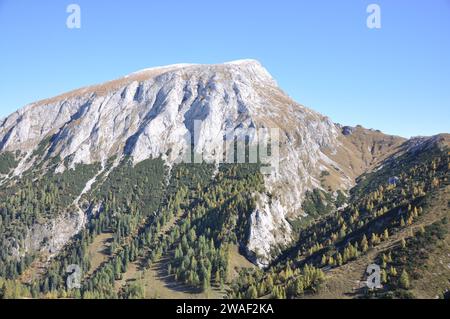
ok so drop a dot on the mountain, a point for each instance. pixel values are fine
(152, 155)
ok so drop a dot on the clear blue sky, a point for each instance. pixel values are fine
(396, 79)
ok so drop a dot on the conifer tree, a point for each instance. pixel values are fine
(364, 244)
(404, 280)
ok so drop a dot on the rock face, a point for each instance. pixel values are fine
(155, 112)
(50, 238)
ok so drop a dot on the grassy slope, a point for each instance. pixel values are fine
(436, 272)
(346, 281)
(98, 250)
